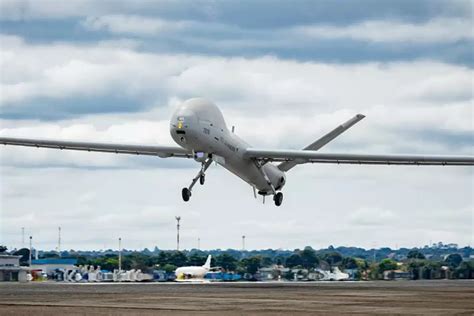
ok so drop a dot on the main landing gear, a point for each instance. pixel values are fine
(278, 198)
(186, 192)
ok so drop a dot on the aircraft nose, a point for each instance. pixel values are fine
(181, 126)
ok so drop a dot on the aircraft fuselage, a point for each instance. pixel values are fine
(199, 125)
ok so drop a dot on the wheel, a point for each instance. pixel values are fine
(186, 194)
(278, 198)
(202, 178)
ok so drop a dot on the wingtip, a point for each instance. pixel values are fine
(361, 116)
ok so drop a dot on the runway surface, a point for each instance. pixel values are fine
(382, 297)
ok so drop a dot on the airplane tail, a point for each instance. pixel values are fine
(287, 165)
(207, 265)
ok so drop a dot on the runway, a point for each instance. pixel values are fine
(382, 297)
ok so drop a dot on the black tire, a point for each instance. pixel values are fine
(278, 198)
(186, 194)
(202, 179)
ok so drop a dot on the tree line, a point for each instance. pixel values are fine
(415, 262)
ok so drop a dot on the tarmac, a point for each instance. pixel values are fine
(446, 297)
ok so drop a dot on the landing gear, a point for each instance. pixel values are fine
(278, 198)
(186, 194)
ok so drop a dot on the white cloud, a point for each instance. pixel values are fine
(437, 30)
(129, 132)
(394, 205)
(133, 24)
(14, 10)
(63, 70)
(372, 217)
(66, 70)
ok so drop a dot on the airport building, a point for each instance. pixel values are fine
(10, 269)
(49, 266)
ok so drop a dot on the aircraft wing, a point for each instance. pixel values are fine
(311, 156)
(160, 151)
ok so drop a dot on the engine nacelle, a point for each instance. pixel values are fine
(281, 182)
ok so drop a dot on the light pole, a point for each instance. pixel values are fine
(31, 248)
(199, 243)
(120, 254)
(243, 242)
(59, 241)
(23, 237)
(178, 219)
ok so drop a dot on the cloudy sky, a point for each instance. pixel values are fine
(283, 72)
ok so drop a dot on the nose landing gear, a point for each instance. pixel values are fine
(277, 196)
(186, 192)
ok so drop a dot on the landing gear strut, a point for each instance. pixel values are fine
(186, 192)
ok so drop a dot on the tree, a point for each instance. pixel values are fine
(226, 261)
(24, 253)
(415, 254)
(294, 260)
(464, 270)
(349, 263)
(374, 271)
(429, 268)
(136, 261)
(333, 258)
(3, 249)
(387, 264)
(169, 268)
(267, 261)
(414, 266)
(362, 263)
(279, 260)
(453, 260)
(196, 259)
(252, 264)
(50, 255)
(308, 257)
(178, 259)
(109, 264)
(163, 258)
(81, 260)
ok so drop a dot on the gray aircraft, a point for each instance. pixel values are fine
(199, 128)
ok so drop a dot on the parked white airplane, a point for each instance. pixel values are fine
(334, 275)
(198, 127)
(193, 273)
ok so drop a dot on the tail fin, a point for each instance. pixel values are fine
(207, 265)
(287, 165)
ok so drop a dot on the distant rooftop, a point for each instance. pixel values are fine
(8, 256)
(54, 261)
